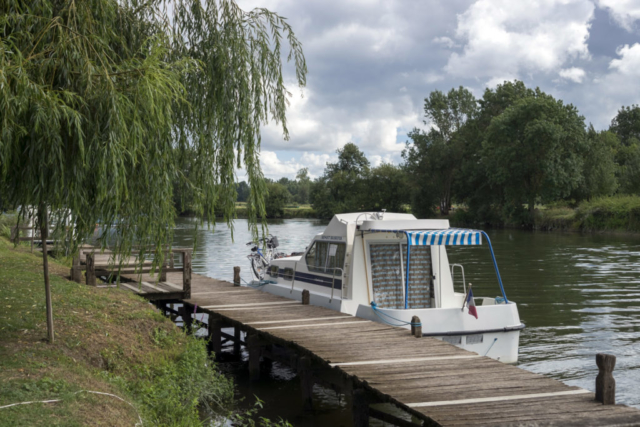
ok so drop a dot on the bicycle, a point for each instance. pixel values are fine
(260, 261)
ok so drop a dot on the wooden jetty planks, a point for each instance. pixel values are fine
(434, 380)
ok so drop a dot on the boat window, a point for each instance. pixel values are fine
(274, 270)
(420, 289)
(288, 274)
(387, 275)
(323, 257)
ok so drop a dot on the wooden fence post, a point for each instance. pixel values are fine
(91, 269)
(186, 274)
(76, 273)
(416, 327)
(360, 408)
(236, 276)
(605, 384)
(305, 297)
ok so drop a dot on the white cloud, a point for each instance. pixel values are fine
(515, 38)
(275, 168)
(445, 41)
(629, 62)
(624, 12)
(574, 74)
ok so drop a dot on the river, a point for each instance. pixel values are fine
(578, 294)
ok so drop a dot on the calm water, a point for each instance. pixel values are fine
(578, 295)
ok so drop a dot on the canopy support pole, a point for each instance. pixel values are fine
(406, 291)
(495, 265)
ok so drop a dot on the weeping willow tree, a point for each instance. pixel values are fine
(102, 100)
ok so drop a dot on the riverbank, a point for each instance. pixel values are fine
(618, 214)
(107, 340)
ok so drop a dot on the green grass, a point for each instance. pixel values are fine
(619, 213)
(107, 340)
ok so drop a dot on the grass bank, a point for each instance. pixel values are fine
(620, 214)
(616, 214)
(107, 340)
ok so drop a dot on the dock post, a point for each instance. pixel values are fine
(416, 327)
(236, 276)
(305, 297)
(187, 320)
(76, 273)
(91, 270)
(186, 274)
(306, 381)
(605, 383)
(360, 408)
(163, 271)
(215, 336)
(253, 347)
(237, 334)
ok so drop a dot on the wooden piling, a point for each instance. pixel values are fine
(305, 297)
(306, 381)
(236, 276)
(605, 383)
(416, 327)
(237, 335)
(253, 347)
(187, 320)
(215, 336)
(163, 271)
(360, 408)
(186, 274)
(91, 269)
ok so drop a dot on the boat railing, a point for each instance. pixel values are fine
(293, 279)
(453, 271)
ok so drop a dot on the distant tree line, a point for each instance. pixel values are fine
(497, 157)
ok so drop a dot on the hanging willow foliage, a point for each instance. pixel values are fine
(103, 101)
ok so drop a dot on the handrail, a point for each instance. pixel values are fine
(293, 279)
(464, 282)
(333, 283)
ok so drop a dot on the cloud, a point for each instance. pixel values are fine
(516, 38)
(629, 62)
(275, 168)
(574, 74)
(446, 42)
(624, 12)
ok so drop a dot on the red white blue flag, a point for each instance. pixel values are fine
(471, 304)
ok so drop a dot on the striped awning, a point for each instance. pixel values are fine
(450, 236)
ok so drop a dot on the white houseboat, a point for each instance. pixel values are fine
(389, 267)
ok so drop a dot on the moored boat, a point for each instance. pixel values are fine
(389, 267)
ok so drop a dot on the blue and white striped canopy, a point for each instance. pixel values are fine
(450, 236)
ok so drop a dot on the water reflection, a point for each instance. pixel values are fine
(577, 294)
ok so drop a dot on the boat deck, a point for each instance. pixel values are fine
(437, 382)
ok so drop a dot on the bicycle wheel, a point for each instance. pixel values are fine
(258, 267)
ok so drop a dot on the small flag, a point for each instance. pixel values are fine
(471, 304)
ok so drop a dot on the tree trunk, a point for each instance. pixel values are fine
(44, 235)
(532, 208)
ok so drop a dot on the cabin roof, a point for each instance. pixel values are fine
(342, 224)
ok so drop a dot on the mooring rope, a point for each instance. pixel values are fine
(378, 313)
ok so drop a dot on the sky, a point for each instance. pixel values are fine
(373, 62)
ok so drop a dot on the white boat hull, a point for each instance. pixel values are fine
(494, 334)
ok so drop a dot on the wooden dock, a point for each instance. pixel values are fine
(432, 381)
